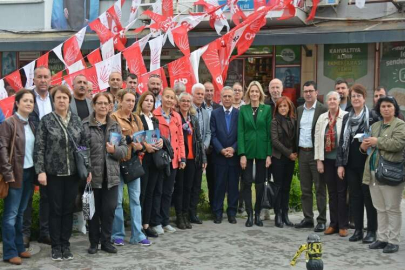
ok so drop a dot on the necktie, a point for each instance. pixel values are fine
(228, 120)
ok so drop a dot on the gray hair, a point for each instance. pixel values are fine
(226, 88)
(179, 86)
(197, 86)
(185, 94)
(332, 93)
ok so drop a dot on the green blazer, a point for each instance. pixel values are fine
(254, 138)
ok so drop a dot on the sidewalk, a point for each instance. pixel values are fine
(221, 246)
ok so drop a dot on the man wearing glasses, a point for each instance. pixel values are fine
(307, 116)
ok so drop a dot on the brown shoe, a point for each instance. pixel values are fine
(25, 255)
(330, 230)
(343, 232)
(15, 260)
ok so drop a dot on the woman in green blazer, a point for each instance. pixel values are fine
(254, 147)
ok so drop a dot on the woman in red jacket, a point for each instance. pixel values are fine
(170, 126)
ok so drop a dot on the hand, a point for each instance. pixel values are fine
(268, 161)
(136, 146)
(110, 148)
(224, 152)
(182, 165)
(231, 150)
(319, 165)
(364, 146)
(149, 148)
(159, 144)
(42, 179)
(243, 162)
(293, 156)
(89, 178)
(66, 13)
(204, 166)
(11, 181)
(371, 141)
(341, 172)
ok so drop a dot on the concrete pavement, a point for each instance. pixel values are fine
(221, 246)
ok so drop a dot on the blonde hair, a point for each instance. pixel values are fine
(192, 110)
(262, 95)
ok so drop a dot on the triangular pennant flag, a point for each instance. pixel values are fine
(237, 13)
(76, 67)
(91, 75)
(167, 8)
(211, 59)
(42, 61)
(94, 57)
(315, 3)
(181, 71)
(58, 51)
(29, 74)
(195, 57)
(181, 39)
(14, 80)
(218, 20)
(7, 106)
(359, 3)
(134, 8)
(57, 78)
(3, 91)
(143, 80)
(105, 68)
(289, 10)
(107, 49)
(143, 41)
(103, 33)
(80, 36)
(71, 51)
(155, 45)
(134, 59)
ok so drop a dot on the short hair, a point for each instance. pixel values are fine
(142, 99)
(63, 89)
(114, 72)
(19, 96)
(359, 89)
(179, 86)
(79, 75)
(168, 89)
(121, 93)
(342, 81)
(42, 67)
(132, 76)
(309, 83)
(192, 111)
(101, 94)
(226, 88)
(197, 86)
(332, 93)
(379, 88)
(237, 83)
(262, 95)
(291, 107)
(389, 99)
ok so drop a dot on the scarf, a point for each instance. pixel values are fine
(330, 136)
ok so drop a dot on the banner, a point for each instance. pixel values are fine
(73, 14)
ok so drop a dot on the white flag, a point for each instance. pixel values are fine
(360, 3)
(80, 36)
(77, 66)
(143, 41)
(3, 92)
(220, 19)
(155, 46)
(29, 73)
(105, 68)
(107, 49)
(58, 51)
(134, 10)
(195, 60)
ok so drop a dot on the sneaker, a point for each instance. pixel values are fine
(145, 243)
(158, 229)
(56, 254)
(118, 242)
(108, 247)
(169, 229)
(67, 255)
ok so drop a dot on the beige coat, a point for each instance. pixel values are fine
(320, 128)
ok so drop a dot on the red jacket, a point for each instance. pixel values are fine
(175, 130)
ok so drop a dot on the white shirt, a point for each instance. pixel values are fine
(29, 144)
(44, 105)
(148, 119)
(225, 109)
(307, 118)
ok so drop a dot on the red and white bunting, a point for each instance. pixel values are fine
(77, 66)
(134, 58)
(107, 49)
(155, 46)
(29, 74)
(180, 37)
(236, 12)
(58, 51)
(7, 105)
(91, 75)
(42, 61)
(103, 33)
(14, 80)
(105, 68)
(71, 51)
(167, 8)
(134, 9)
(94, 57)
(211, 59)
(181, 71)
(258, 4)
(3, 91)
(218, 21)
(195, 60)
(143, 41)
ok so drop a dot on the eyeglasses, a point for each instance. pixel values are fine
(102, 103)
(185, 101)
(356, 96)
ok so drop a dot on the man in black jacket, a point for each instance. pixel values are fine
(342, 87)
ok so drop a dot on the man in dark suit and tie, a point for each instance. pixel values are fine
(308, 114)
(224, 137)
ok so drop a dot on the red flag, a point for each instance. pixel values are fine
(91, 75)
(143, 80)
(167, 8)
(139, 29)
(211, 59)
(94, 57)
(161, 22)
(71, 51)
(180, 37)
(311, 15)
(237, 13)
(57, 78)
(42, 61)
(7, 105)
(134, 59)
(103, 33)
(113, 20)
(14, 80)
(119, 42)
(181, 71)
(289, 10)
(259, 3)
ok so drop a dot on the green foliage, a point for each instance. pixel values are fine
(295, 194)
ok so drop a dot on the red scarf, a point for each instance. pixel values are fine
(330, 136)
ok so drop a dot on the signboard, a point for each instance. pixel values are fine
(345, 61)
(288, 55)
(243, 4)
(259, 50)
(392, 70)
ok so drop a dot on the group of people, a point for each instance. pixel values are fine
(247, 138)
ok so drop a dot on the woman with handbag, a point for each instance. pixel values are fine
(195, 154)
(283, 135)
(58, 138)
(254, 147)
(152, 174)
(170, 127)
(387, 143)
(130, 124)
(17, 172)
(105, 155)
(350, 162)
(327, 131)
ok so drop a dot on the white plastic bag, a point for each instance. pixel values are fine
(88, 202)
(79, 225)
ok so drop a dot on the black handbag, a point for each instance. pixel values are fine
(161, 159)
(131, 169)
(269, 194)
(388, 172)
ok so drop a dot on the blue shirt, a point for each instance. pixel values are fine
(2, 117)
(29, 143)
(305, 139)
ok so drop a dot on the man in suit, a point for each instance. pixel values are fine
(80, 105)
(307, 116)
(224, 137)
(76, 13)
(275, 90)
(198, 92)
(342, 87)
(43, 105)
(209, 103)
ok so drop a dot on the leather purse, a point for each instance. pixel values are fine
(131, 169)
(4, 187)
(388, 172)
(269, 194)
(161, 159)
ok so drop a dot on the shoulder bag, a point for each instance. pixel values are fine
(3, 185)
(269, 194)
(131, 169)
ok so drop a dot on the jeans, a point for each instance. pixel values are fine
(118, 229)
(14, 206)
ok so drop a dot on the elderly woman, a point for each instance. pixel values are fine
(254, 147)
(17, 168)
(350, 162)
(195, 155)
(105, 156)
(387, 140)
(238, 95)
(327, 133)
(57, 134)
(170, 126)
(283, 134)
(129, 124)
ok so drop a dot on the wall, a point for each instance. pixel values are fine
(22, 17)
(308, 65)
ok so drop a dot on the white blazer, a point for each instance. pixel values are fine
(320, 128)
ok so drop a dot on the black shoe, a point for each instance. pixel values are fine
(232, 219)
(320, 227)
(187, 221)
(241, 209)
(286, 220)
(44, 240)
(66, 254)
(92, 249)
(56, 254)
(180, 222)
(26, 241)
(278, 221)
(304, 224)
(249, 221)
(108, 247)
(352, 226)
(371, 237)
(150, 233)
(258, 221)
(378, 245)
(195, 219)
(391, 248)
(357, 236)
(218, 219)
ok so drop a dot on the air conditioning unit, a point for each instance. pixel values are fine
(324, 3)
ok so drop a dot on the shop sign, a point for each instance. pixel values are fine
(243, 4)
(288, 55)
(28, 56)
(259, 50)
